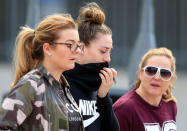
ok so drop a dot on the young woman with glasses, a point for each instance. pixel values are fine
(40, 99)
(91, 78)
(151, 105)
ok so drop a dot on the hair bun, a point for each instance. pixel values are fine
(92, 13)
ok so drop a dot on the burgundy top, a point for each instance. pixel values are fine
(135, 114)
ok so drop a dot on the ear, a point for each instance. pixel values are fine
(172, 79)
(47, 49)
(140, 74)
(84, 49)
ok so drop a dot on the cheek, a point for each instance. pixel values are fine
(100, 56)
(145, 80)
(142, 77)
(165, 85)
(61, 55)
(94, 55)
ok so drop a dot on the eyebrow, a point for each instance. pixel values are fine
(71, 40)
(106, 47)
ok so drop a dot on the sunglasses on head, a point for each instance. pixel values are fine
(151, 71)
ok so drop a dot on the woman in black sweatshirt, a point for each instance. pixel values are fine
(92, 78)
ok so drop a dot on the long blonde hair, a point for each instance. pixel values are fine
(160, 52)
(28, 46)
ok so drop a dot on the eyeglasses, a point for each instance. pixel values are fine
(73, 46)
(151, 71)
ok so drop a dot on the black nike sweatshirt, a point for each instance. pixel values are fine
(97, 112)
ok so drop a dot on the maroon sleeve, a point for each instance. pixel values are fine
(175, 111)
(124, 116)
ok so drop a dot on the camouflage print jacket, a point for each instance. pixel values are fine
(34, 104)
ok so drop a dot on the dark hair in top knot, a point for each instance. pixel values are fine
(92, 13)
(90, 22)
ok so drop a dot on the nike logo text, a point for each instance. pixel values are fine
(87, 107)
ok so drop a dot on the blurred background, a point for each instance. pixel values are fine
(137, 25)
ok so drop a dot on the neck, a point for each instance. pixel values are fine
(154, 101)
(81, 60)
(52, 69)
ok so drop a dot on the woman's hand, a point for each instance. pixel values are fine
(107, 76)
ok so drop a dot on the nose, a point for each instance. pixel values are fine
(157, 75)
(107, 58)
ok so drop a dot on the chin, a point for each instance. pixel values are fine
(156, 94)
(70, 66)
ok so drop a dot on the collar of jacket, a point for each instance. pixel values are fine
(64, 82)
(44, 72)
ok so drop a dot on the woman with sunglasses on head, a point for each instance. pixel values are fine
(151, 105)
(40, 99)
(91, 78)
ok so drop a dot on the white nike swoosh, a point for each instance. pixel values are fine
(91, 120)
